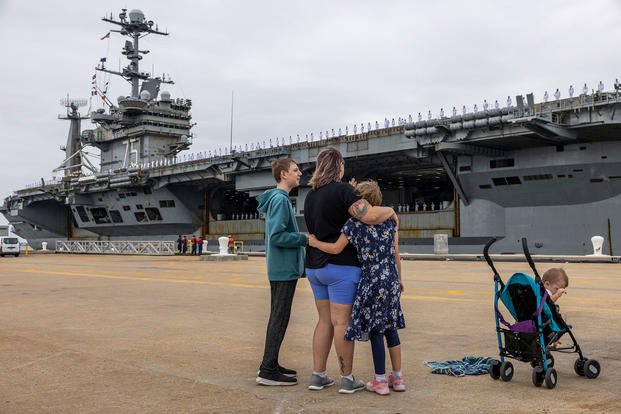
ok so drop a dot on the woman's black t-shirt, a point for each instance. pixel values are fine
(325, 213)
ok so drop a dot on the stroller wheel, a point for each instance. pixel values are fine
(550, 359)
(551, 378)
(494, 369)
(579, 366)
(591, 369)
(538, 376)
(506, 371)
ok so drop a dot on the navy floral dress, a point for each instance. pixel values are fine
(377, 306)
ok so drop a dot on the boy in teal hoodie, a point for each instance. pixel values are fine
(284, 252)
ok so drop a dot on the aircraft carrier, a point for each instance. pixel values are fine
(549, 171)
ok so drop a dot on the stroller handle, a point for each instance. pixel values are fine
(530, 259)
(489, 259)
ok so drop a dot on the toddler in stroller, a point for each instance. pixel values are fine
(555, 281)
(537, 328)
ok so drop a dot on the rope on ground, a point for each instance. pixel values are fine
(469, 365)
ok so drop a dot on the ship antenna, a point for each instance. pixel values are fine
(74, 157)
(231, 144)
(135, 27)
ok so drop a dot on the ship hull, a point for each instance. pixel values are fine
(553, 229)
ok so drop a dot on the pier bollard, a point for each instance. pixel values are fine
(598, 244)
(224, 245)
(440, 244)
(224, 254)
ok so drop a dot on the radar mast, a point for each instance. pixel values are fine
(74, 156)
(134, 27)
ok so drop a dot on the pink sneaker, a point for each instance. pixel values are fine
(397, 383)
(379, 387)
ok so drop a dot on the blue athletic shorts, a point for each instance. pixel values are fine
(335, 283)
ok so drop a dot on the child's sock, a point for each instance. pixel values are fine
(349, 377)
(321, 374)
(380, 377)
(396, 373)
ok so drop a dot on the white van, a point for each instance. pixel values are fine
(9, 245)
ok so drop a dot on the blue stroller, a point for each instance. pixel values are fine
(538, 325)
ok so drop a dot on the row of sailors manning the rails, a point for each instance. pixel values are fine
(546, 98)
(399, 208)
(401, 121)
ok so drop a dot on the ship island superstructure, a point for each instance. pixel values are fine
(549, 171)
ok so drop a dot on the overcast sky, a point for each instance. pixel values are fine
(296, 66)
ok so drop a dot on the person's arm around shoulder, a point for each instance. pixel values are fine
(279, 236)
(331, 248)
(398, 260)
(372, 215)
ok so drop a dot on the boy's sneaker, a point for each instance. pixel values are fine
(277, 378)
(349, 387)
(317, 382)
(378, 387)
(397, 383)
(287, 371)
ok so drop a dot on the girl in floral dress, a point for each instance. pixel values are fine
(376, 312)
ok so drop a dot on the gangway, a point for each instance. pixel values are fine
(127, 247)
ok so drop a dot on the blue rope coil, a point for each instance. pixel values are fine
(469, 365)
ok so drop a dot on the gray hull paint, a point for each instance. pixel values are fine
(565, 229)
(581, 173)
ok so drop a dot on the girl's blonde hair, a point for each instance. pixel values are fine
(370, 191)
(327, 168)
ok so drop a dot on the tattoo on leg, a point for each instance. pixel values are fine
(342, 364)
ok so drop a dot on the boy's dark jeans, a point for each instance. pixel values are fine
(282, 297)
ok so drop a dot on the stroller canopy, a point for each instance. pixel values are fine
(522, 297)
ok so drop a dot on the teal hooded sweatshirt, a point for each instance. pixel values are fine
(284, 244)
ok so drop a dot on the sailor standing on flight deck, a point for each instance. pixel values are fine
(600, 87)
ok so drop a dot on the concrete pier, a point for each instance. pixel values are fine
(137, 334)
(224, 257)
